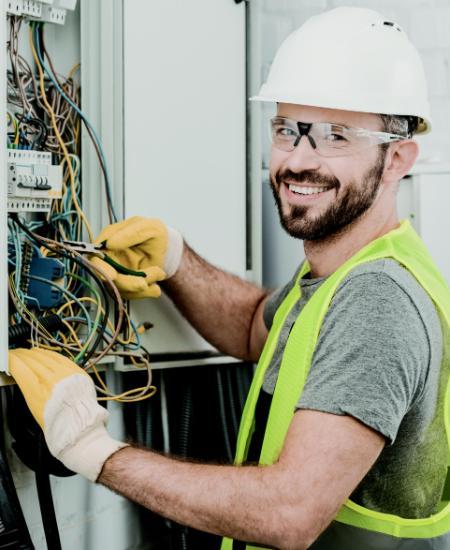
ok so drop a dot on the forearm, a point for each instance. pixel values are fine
(219, 305)
(239, 502)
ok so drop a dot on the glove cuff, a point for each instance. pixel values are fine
(174, 252)
(90, 452)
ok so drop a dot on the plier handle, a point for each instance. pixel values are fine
(98, 251)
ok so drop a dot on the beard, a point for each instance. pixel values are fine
(343, 211)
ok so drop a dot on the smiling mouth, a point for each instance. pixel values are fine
(308, 190)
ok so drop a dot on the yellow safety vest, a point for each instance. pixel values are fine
(405, 246)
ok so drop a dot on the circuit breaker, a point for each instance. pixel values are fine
(33, 181)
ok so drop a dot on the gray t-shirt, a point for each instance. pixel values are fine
(378, 359)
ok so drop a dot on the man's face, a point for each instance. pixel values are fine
(348, 185)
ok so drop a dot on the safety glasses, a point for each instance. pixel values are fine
(326, 138)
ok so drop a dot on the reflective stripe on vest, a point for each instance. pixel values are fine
(405, 246)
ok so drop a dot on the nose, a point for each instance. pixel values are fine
(303, 157)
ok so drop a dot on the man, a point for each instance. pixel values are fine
(354, 358)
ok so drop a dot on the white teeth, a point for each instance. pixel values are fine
(307, 190)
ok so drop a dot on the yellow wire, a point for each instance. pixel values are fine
(48, 346)
(136, 363)
(121, 341)
(74, 334)
(71, 176)
(121, 397)
(135, 400)
(73, 70)
(16, 132)
(72, 302)
(59, 138)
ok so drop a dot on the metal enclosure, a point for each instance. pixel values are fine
(172, 109)
(185, 137)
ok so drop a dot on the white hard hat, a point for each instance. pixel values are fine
(351, 59)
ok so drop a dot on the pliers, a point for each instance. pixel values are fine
(98, 250)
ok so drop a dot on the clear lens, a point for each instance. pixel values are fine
(337, 140)
(284, 133)
(331, 140)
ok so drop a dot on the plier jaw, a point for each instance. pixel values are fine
(98, 251)
(86, 248)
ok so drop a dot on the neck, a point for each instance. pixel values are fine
(327, 255)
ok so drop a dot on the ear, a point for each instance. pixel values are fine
(400, 158)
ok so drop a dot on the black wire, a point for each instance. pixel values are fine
(42, 137)
(45, 498)
(103, 325)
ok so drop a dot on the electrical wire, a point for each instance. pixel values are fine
(89, 127)
(58, 135)
(45, 116)
(63, 251)
(135, 394)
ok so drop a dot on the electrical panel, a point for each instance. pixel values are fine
(50, 275)
(65, 183)
(33, 182)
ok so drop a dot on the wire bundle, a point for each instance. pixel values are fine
(44, 114)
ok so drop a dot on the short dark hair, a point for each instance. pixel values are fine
(400, 124)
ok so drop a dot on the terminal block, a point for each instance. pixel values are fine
(31, 8)
(33, 182)
(40, 277)
(50, 11)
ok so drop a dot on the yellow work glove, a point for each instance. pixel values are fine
(141, 244)
(62, 399)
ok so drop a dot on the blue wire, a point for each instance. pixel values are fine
(67, 293)
(137, 344)
(80, 113)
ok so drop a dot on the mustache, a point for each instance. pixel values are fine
(307, 176)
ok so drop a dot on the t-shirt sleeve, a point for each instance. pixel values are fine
(372, 355)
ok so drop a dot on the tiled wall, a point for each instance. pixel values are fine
(426, 22)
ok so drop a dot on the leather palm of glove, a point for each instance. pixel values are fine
(62, 398)
(140, 244)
